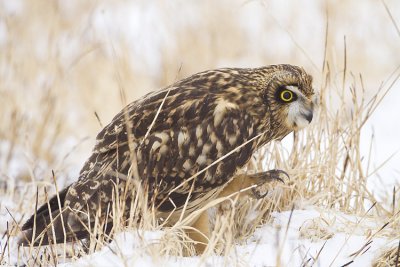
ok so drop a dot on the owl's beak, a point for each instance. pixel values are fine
(309, 110)
(300, 114)
(303, 116)
(308, 115)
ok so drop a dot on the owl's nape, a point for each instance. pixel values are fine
(187, 142)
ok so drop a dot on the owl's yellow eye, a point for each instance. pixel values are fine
(287, 95)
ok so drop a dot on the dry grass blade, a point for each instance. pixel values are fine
(347, 264)
(391, 17)
(98, 119)
(5, 247)
(318, 254)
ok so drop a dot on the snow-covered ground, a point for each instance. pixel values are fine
(298, 243)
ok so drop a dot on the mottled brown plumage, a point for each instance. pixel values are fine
(171, 139)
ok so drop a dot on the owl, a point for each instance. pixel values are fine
(183, 146)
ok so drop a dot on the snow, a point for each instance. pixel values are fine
(386, 145)
(269, 245)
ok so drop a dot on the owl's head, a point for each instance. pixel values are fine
(289, 94)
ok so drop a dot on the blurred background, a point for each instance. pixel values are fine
(62, 62)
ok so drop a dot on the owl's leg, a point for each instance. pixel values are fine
(201, 232)
(257, 181)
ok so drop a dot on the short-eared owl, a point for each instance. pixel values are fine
(183, 144)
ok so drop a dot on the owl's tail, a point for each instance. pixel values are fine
(49, 225)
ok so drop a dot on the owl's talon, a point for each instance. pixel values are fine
(278, 175)
(272, 175)
(257, 195)
(267, 177)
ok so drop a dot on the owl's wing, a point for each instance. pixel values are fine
(184, 140)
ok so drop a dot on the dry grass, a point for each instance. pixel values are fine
(59, 71)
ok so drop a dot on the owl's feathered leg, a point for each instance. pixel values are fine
(201, 232)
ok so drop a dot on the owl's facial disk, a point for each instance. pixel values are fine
(300, 108)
